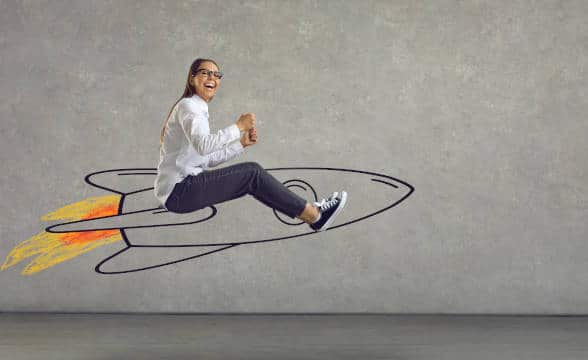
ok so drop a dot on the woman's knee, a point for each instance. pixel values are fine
(174, 205)
(174, 208)
(254, 166)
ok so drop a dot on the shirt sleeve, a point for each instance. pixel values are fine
(194, 122)
(225, 154)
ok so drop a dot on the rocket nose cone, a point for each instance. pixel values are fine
(368, 193)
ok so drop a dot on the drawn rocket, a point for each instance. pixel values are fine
(155, 237)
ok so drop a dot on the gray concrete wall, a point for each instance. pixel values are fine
(479, 105)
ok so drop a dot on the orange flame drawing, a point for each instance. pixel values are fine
(54, 248)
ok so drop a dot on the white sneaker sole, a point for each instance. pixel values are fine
(332, 218)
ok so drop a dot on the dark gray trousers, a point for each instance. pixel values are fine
(231, 182)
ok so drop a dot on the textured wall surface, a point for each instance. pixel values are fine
(479, 105)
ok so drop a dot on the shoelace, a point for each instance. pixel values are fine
(333, 195)
(325, 204)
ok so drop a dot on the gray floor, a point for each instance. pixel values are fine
(114, 336)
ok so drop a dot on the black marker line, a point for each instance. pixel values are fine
(384, 182)
(151, 173)
(87, 177)
(97, 268)
(138, 191)
(50, 228)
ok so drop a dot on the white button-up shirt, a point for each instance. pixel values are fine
(188, 146)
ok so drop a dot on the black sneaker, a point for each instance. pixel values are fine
(329, 209)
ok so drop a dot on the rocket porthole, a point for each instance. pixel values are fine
(301, 188)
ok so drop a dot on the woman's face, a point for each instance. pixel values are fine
(206, 84)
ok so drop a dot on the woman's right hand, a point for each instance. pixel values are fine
(246, 121)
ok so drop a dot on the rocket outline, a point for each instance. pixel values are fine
(221, 246)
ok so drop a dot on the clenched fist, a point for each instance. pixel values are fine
(249, 137)
(246, 121)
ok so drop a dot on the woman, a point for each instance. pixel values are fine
(188, 150)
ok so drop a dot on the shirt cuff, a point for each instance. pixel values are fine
(237, 146)
(234, 131)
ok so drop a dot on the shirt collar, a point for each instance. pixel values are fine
(198, 98)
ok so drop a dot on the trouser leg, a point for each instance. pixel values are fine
(231, 182)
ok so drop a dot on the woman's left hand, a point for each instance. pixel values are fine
(253, 135)
(249, 137)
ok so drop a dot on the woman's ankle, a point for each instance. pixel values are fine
(310, 215)
(318, 217)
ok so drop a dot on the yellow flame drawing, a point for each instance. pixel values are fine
(54, 248)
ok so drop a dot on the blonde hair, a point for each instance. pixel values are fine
(188, 91)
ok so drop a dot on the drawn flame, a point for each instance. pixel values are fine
(54, 248)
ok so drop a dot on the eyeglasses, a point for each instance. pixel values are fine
(217, 74)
